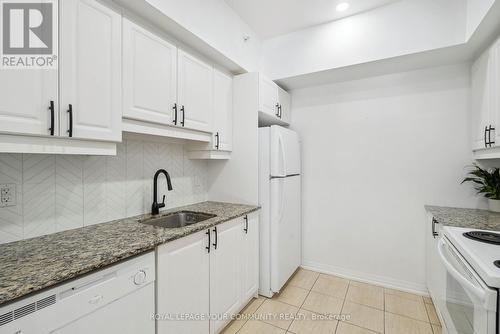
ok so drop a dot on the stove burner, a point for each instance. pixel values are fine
(488, 237)
(497, 263)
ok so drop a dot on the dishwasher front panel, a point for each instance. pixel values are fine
(119, 299)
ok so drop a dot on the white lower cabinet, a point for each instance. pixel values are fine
(225, 274)
(250, 257)
(211, 274)
(183, 269)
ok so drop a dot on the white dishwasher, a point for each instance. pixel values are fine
(116, 300)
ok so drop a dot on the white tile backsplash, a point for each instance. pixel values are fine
(61, 192)
(11, 218)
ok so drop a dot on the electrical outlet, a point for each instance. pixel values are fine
(7, 195)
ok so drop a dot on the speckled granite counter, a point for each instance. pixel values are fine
(35, 264)
(468, 218)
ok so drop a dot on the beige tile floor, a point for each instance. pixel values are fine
(303, 305)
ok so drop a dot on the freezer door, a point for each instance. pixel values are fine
(285, 152)
(285, 229)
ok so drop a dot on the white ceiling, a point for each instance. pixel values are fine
(269, 18)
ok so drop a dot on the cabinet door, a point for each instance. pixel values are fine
(225, 274)
(183, 268)
(90, 70)
(195, 80)
(481, 85)
(495, 93)
(223, 111)
(25, 100)
(149, 76)
(285, 102)
(268, 96)
(436, 276)
(250, 257)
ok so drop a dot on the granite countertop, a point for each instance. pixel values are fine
(468, 218)
(32, 265)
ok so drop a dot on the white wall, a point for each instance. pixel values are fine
(375, 151)
(61, 192)
(476, 11)
(237, 180)
(401, 28)
(218, 25)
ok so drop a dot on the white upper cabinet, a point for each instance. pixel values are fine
(268, 96)
(481, 82)
(285, 105)
(495, 94)
(90, 71)
(485, 103)
(149, 76)
(25, 103)
(195, 92)
(223, 112)
(274, 103)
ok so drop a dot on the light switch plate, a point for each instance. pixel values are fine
(8, 195)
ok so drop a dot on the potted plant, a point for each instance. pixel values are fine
(487, 184)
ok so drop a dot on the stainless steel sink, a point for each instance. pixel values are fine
(178, 219)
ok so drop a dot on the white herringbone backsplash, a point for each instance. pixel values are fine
(61, 192)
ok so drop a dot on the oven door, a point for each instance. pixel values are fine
(466, 304)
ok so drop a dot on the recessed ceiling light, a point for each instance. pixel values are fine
(343, 6)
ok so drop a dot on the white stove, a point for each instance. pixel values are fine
(480, 255)
(464, 281)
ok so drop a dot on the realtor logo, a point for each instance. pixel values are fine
(29, 34)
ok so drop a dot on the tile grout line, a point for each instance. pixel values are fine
(383, 292)
(427, 313)
(343, 304)
(303, 302)
(252, 312)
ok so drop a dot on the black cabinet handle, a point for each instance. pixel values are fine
(246, 224)
(183, 122)
(489, 136)
(277, 110)
(209, 246)
(485, 141)
(70, 111)
(217, 141)
(216, 237)
(175, 113)
(51, 108)
(434, 232)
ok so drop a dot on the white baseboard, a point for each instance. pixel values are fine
(382, 281)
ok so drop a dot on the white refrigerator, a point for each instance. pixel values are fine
(280, 199)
